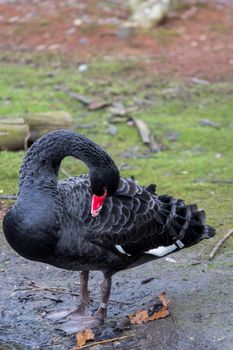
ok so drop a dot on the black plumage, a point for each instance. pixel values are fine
(51, 220)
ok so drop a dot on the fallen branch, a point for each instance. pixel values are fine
(146, 136)
(143, 130)
(219, 244)
(103, 342)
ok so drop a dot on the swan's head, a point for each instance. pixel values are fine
(103, 183)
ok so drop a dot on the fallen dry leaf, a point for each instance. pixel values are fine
(164, 300)
(82, 337)
(158, 310)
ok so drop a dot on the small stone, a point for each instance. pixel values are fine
(194, 43)
(218, 47)
(71, 31)
(173, 136)
(124, 32)
(54, 47)
(200, 81)
(40, 48)
(83, 68)
(218, 155)
(83, 41)
(77, 22)
(112, 130)
(14, 19)
(202, 37)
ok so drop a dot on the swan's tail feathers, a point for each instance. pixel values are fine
(197, 229)
(177, 226)
(151, 188)
(188, 224)
(186, 229)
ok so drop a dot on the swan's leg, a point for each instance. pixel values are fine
(77, 321)
(105, 290)
(83, 309)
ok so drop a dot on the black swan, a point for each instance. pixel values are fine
(99, 221)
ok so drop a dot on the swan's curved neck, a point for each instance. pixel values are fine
(43, 159)
(32, 225)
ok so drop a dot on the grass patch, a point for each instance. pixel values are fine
(184, 169)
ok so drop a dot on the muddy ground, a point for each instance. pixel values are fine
(201, 293)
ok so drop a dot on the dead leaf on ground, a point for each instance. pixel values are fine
(164, 300)
(82, 337)
(158, 310)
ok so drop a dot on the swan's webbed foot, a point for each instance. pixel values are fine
(75, 323)
(68, 313)
(75, 320)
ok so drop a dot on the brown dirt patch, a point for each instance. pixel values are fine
(195, 40)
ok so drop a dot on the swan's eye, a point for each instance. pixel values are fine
(97, 203)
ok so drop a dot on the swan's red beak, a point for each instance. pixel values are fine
(97, 203)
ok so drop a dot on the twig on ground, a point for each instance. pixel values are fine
(219, 244)
(36, 288)
(103, 342)
(221, 181)
(85, 100)
(227, 182)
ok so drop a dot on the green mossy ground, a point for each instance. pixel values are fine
(183, 169)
